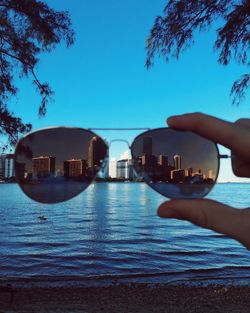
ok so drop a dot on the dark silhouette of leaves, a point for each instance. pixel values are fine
(173, 32)
(239, 88)
(27, 28)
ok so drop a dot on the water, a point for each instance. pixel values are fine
(111, 232)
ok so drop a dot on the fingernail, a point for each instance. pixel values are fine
(171, 118)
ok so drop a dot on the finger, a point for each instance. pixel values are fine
(209, 214)
(243, 122)
(240, 166)
(231, 135)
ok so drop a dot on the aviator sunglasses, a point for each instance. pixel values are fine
(56, 164)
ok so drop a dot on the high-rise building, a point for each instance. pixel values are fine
(147, 146)
(163, 160)
(210, 175)
(113, 168)
(43, 166)
(189, 172)
(96, 152)
(75, 168)
(7, 169)
(177, 176)
(125, 169)
(177, 162)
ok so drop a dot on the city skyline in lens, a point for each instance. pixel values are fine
(162, 154)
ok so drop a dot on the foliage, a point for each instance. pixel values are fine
(27, 28)
(173, 32)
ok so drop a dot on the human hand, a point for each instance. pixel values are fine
(208, 213)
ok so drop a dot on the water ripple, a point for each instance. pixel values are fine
(113, 231)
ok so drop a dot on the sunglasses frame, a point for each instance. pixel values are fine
(92, 132)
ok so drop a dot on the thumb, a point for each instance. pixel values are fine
(209, 214)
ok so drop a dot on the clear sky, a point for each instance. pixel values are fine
(101, 81)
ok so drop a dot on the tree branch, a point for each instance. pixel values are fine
(43, 90)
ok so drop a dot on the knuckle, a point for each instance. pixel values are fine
(197, 118)
(242, 121)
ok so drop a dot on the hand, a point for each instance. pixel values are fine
(207, 213)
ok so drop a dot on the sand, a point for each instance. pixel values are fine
(128, 298)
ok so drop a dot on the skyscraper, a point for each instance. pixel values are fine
(163, 160)
(96, 152)
(177, 162)
(147, 146)
(125, 169)
(113, 168)
(189, 172)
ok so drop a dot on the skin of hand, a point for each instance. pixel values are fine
(206, 213)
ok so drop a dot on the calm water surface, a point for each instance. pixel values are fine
(111, 232)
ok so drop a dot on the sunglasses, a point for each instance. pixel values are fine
(56, 164)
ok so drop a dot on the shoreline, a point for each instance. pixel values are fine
(134, 297)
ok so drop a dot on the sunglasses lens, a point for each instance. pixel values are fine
(54, 165)
(177, 164)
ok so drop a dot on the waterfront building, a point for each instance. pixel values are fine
(7, 169)
(177, 176)
(125, 169)
(163, 160)
(150, 165)
(177, 162)
(164, 168)
(113, 168)
(189, 172)
(43, 166)
(75, 168)
(96, 154)
(211, 175)
(199, 176)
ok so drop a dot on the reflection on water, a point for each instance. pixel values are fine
(113, 229)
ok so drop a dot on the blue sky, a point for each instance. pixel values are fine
(101, 81)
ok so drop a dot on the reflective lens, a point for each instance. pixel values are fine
(56, 164)
(177, 164)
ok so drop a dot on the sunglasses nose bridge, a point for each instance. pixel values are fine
(119, 140)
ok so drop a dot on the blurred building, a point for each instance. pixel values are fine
(7, 169)
(113, 168)
(211, 175)
(96, 152)
(125, 169)
(189, 172)
(178, 176)
(147, 146)
(163, 161)
(43, 166)
(75, 168)
(177, 162)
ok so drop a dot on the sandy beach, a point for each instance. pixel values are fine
(127, 298)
